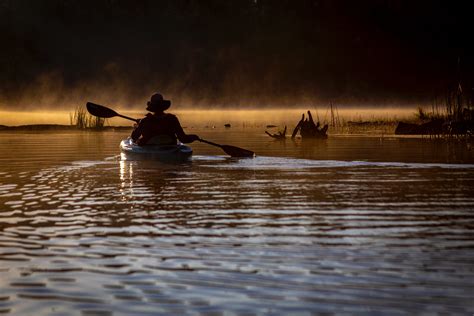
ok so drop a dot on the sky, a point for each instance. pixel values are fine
(242, 53)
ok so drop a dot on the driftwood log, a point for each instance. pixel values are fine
(279, 135)
(308, 129)
(433, 128)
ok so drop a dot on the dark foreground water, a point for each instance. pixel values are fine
(350, 225)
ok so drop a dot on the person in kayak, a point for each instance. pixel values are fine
(158, 127)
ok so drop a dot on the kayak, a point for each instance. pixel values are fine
(178, 152)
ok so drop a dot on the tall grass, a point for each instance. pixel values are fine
(424, 115)
(83, 120)
(457, 100)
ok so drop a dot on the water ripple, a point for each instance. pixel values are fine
(215, 235)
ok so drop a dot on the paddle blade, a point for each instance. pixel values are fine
(237, 152)
(100, 110)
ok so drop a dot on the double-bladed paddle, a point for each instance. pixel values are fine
(105, 112)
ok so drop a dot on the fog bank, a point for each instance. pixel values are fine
(249, 53)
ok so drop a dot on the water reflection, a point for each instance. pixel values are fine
(279, 234)
(126, 178)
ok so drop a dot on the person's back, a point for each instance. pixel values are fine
(160, 128)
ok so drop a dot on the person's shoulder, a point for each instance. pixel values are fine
(148, 116)
(171, 117)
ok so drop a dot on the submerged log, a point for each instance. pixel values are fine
(434, 127)
(279, 135)
(407, 129)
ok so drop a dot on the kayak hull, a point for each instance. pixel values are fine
(179, 152)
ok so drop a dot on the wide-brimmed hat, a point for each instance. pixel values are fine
(157, 103)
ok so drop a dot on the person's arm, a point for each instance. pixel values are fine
(182, 136)
(138, 130)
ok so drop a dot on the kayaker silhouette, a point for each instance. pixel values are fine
(158, 127)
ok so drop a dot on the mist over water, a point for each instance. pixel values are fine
(242, 53)
(218, 117)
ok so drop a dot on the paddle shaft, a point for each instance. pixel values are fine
(127, 117)
(210, 143)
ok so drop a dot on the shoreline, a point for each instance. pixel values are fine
(58, 127)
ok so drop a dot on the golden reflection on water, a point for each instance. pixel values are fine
(305, 227)
(126, 178)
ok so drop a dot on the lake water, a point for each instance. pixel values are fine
(347, 225)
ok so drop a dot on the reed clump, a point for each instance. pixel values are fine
(453, 120)
(83, 120)
(423, 115)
